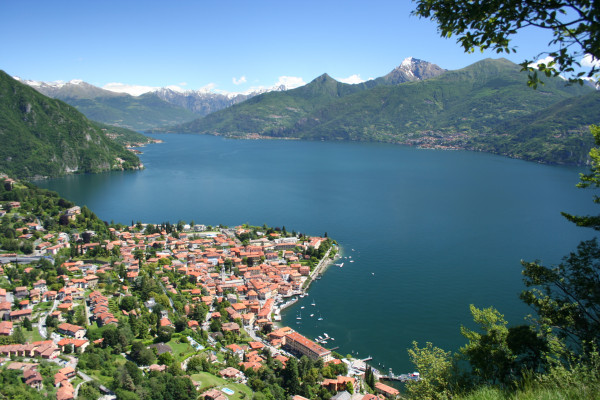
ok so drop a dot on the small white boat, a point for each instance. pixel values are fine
(341, 265)
(302, 308)
(324, 342)
(313, 303)
(312, 315)
(351, 260)
(320, 319)
(326, 335)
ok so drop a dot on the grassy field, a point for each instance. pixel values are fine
(33, 335)
(179, 348)
(206, 380)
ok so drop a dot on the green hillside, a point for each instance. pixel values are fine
(273, 113)
(46, 137)
(123, 136)
(458, 109)
(138, 113)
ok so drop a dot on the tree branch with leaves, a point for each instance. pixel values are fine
(491, 24)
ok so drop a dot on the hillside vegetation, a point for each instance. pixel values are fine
(44, 137)
(481, 107)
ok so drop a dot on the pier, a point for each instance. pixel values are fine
(402, 377)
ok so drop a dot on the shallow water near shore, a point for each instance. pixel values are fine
(424, 233)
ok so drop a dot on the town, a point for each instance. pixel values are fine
(92, 310)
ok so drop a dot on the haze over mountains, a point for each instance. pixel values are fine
(167, 107)
(161, 107)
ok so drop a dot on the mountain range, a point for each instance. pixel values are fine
(168, 107)
(161, 107)
(481, 107)
(486, 106)
(44, 137)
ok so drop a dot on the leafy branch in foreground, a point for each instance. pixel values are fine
(490, 24)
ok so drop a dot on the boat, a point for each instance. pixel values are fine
(319, 337)
(320, 318)
(299, 316)
(326, 335)
(302, 308)
(332, 338)
(312, 315)
(324, 342)
(313, 303)
(351, 260)
(341, 265)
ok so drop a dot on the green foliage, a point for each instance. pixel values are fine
(46, 137)
(491, 24)
(483, 107)
(435, 367)
(566, 298)
(123, 136)
(590, 180)
(489, 354)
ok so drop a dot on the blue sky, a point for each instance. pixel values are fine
(223, 45)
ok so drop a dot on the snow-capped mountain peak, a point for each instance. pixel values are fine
(413, 69)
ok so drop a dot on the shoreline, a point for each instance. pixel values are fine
(323, 264)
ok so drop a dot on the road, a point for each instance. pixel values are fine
(42, 320)
(20, 259)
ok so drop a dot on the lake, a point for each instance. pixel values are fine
(429, 232)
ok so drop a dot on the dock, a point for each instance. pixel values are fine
(402, 377)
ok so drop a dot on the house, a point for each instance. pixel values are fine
(158, 368)
(299, 344)
(6, 328)
(338, 384)
(69, 372)
(65, 391)
(33, 378)
(213, 394)
(75, 331)
(369, 396)
(230, 327)
(20, 315)
(231, 373)
(5, 308)
(388, 391)
(79, 345)
(21, 292)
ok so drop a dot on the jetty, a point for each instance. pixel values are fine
(401, 378)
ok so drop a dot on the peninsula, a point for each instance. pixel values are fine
(90, 308)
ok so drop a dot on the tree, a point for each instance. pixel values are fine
(291, 380)
(490, 24)
(435, 368)
(566, 298)
(18, 336)
(27, 324)
(350, 387)
(489, 354)
(590, 180)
